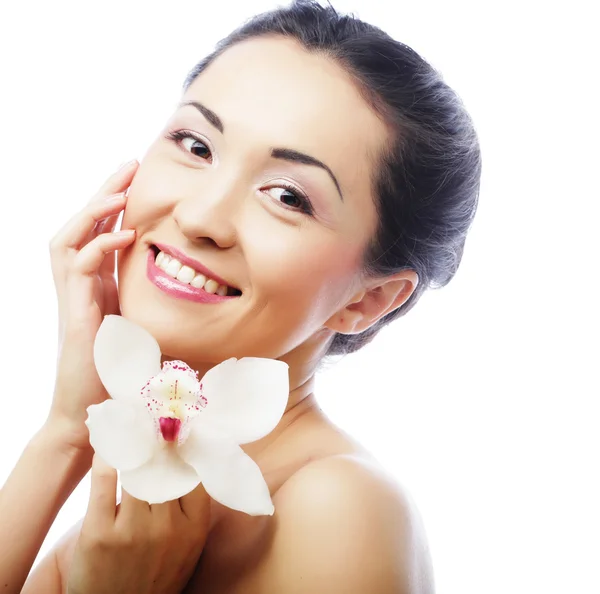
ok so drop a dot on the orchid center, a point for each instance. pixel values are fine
(173, 397)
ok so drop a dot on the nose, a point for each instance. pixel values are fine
(210, 214)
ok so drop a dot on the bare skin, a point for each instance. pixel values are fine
(340, 525)
(252, 554)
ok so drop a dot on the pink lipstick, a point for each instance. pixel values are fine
(171, 286)
(187, 261)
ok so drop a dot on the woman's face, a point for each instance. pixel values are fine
(235, 195)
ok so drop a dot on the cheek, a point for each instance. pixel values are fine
(308, 277)
(150, 194)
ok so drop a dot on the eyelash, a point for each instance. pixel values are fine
(177, 136)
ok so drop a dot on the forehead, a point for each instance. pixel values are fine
(283, 95)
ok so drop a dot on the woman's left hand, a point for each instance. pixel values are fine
(137, 548)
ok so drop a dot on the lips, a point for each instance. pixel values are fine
(188, 261)
(177, 289)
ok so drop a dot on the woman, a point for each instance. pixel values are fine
(324, 176)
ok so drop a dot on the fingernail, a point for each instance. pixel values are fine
(125, 232)
(126, 164)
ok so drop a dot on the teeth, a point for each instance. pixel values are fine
(173, 268)
(211, 286)
(164, 262)
(198, 281)
(188, 276)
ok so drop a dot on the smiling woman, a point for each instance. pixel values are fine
(315, 179)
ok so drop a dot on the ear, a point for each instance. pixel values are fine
(373, 302)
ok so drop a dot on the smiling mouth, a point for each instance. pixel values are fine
(188, 276)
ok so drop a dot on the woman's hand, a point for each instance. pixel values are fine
(137, 548)
(83, 266)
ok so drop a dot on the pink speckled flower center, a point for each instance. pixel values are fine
(173, 398)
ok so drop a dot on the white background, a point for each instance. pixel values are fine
(483, 400)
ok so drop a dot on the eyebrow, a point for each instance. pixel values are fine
(209, 114)
(284, 154)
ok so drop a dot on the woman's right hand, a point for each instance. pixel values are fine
(134, 547)
(83, 257)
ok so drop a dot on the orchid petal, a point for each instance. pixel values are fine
(228, 474)
(126, 356)
(246, 397)
(164, 478)
(121, 433)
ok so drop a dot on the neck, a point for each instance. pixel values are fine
(301, 403)
(303, 362)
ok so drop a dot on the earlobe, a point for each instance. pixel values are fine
(372, 303)
(345, 321)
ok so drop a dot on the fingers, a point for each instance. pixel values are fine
(133, 511)
(109, 200)
(102, 504)
(108, 224)
(107, 268)
(166, 513)
(89, 259)
(79, 228)
(80, 296)
(119, 181)
(196, 505)
(157, 521)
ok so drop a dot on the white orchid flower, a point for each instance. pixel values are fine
(166, 432)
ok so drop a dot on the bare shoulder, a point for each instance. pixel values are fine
(343, 525)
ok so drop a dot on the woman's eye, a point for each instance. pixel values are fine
(196, 147)
(291, 199)
(287, 197)
(190, 144)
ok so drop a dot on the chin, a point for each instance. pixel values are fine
(164, 330)
(180, 339)
(200, 334)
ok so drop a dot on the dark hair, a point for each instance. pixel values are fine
(426, 187)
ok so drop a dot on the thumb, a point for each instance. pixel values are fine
(102, 505)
